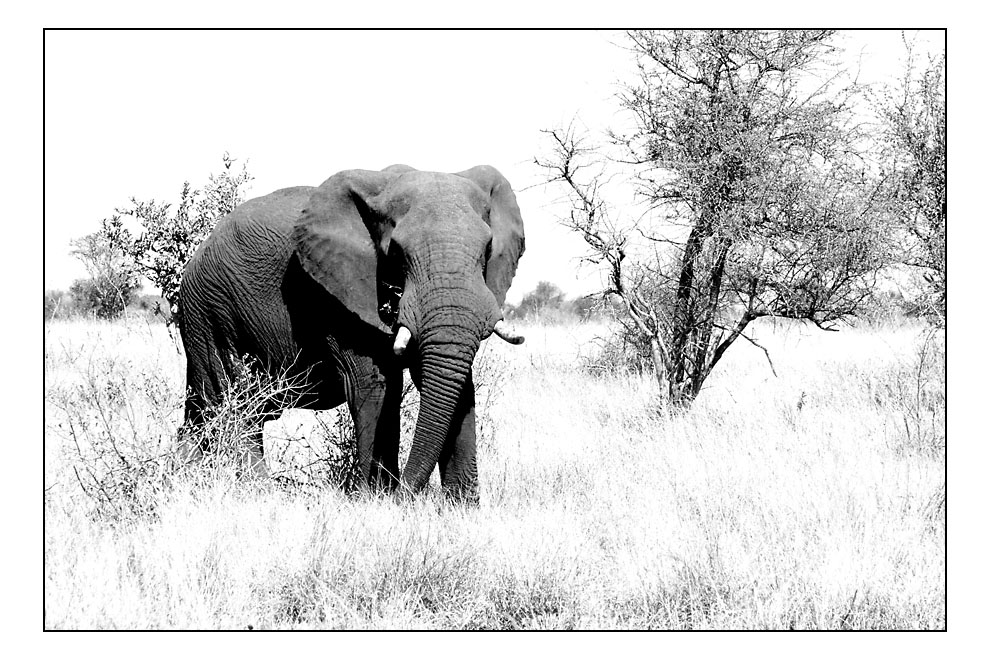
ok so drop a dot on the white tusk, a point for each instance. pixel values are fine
(402, 338)
(502, 330)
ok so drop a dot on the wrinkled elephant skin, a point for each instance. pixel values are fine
(342, 286)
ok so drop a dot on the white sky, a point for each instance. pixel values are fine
(137, 113)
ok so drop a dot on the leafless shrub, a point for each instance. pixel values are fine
(921, 396)
(491, 379)
(116, 451)
(618, 353)
(322, 452)
(121, 449)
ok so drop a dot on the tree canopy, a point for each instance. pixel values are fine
(759, 202)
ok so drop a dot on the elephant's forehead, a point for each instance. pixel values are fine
(436, 189)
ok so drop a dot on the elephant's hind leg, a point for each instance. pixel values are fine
(199, 433)
(191, 441)
(205, 372)
(209, 373)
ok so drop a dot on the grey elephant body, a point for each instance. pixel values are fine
(313, 283)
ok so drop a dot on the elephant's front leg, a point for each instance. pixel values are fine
(374, 395)
(251, 453)
(459, 457)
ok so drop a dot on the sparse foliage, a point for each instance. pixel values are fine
(746, 152)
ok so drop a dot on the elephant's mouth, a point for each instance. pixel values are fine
(501, 329)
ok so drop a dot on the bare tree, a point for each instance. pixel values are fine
(746, 151)
(913, 119)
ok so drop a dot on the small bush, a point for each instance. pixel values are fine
(60, 305)
(103, 297)
(919, 395)
(254, 397)
(113, 278)
(624, 350)
(618, 353)
(319, 450)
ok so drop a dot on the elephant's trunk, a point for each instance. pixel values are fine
(445, 376)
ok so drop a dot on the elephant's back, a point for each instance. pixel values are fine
(231, 288)
(258, 226)
(250, 240)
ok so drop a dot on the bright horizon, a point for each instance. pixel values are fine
(132, 113)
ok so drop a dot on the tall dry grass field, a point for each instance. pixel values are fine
(813, 498)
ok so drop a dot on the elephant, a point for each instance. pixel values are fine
(344, 286)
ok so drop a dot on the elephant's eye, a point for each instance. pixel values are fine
(394, 249)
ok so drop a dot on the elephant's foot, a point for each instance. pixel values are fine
(463, 493)
(459, 480)
(382, 479)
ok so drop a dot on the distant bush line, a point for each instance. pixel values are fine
(545, 305)
(83, 300)
(548, 305)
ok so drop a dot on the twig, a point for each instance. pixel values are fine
(765, 352)
(81, 484)
(845, 617)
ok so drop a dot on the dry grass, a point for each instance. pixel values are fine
(813, 499)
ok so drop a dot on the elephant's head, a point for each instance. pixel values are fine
(428, 258)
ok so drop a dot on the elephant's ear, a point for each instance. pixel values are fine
(339, 236)
(508, 239)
